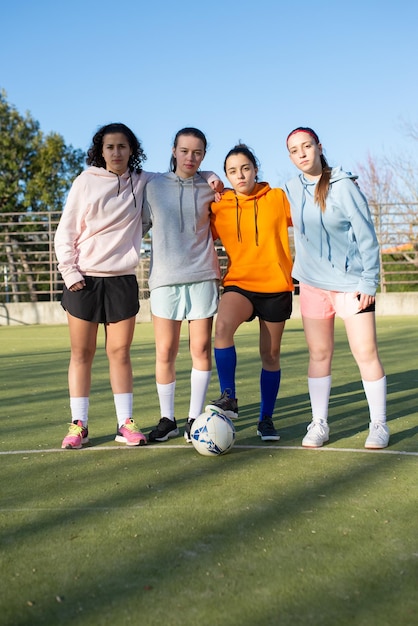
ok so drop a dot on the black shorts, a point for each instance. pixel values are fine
(370, 309)
(103, 300)
(270, 307)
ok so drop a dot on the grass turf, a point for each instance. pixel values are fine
(267, 534)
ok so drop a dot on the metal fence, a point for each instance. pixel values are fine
(29, 270)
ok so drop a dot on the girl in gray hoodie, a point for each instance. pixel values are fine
(184, 274)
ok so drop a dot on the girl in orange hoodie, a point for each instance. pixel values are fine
(252, 221)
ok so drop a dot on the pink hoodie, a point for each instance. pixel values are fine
(100, 230)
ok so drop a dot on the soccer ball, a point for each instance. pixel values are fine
(212, 434)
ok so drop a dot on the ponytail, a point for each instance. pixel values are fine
(322, 187)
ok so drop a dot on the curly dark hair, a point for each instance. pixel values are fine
(94, 153)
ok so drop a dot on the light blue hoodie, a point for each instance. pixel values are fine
(336, 249)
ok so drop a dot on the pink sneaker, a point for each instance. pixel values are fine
(130, 434)
(76, 436)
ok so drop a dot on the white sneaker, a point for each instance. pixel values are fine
(378, 436)
(317, 435)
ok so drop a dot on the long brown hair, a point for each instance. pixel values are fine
(322, 187)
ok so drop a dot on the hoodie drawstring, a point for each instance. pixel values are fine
(180, 187)
(132, 188)
(302, 219)
(255, 220)
(130, 180)
(239, 215)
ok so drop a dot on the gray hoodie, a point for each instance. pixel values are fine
(177, 210)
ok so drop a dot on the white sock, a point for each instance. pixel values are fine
(123, 405)
(319, 391)
(375, 391)
(166, 398)
(199, 383)
(79, 410)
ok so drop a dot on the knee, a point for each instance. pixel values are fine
(82, 356)
(201, 353)
(120, 354)
(270, 360)
(223, 331)
(320, 355)
(166, 354)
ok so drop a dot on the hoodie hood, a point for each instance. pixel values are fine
(101, 172)
(243, 203)
(308, 189)
(185, 191)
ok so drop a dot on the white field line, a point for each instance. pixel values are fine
(190, 447)
(175, 447)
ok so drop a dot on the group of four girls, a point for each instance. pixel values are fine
(114, 202)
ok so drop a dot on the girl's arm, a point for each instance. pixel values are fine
(66, 236)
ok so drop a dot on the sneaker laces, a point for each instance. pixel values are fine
(320, 425)
(224, 400)
(75, 429)
(267, 425)
(131, 426)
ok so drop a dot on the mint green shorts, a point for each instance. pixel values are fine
(190, 301)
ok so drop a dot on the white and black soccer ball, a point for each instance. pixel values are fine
(212, 434)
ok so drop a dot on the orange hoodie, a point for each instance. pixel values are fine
(254, 232)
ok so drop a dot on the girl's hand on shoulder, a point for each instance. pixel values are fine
(217, 185)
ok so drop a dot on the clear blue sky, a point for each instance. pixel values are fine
(236, 70)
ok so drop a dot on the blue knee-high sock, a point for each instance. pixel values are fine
(269, 389)
(226, 364)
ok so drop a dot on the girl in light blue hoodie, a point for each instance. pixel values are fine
(337, 266)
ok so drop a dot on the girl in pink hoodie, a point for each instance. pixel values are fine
(97, 245)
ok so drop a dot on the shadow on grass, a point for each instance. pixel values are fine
(155, 535)
(112, 578)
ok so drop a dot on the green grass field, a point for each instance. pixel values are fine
(267, 534)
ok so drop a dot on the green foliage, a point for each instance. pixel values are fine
(36, 170)
(399, 274)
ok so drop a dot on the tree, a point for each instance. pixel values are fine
(36, 172)
(391, 187)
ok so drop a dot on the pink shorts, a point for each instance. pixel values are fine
(322, 304)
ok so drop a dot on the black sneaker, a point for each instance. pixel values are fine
(187, 430)
(226, 405)
(165, 428)
(266, 430)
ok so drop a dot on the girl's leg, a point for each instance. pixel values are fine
(119, 336)
(200, 337)
(270, 341)
(319, 334)
(361, 333)
(83, 336)
(234, 309)
(167, 339)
